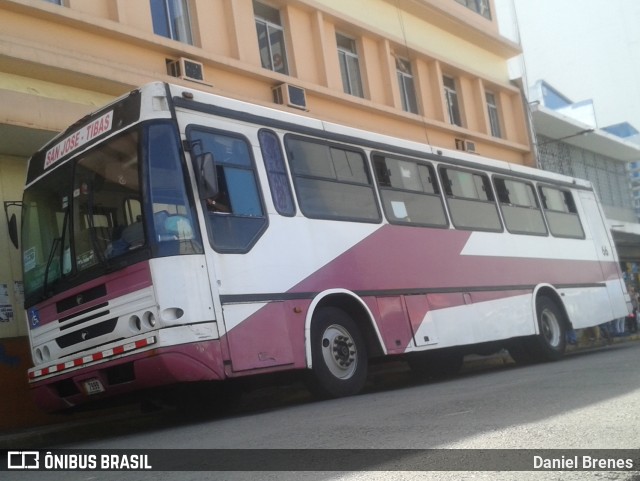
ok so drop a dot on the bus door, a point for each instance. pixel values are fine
(255, 330)
(606, 253)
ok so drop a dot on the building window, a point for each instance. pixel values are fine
(273, 54)
(494, 118)
(406, 85)
(478, 6)
(349, 65)
(451, 98)
(171, 19)
(57, 2)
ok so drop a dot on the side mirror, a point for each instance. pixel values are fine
(13, 230)
(207, 176)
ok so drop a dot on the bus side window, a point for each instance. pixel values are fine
(520, 207)
(470, 199)
(276, 173)
(561, 212)
(409, 192)
(331, 181)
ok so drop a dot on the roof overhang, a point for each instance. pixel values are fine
(626, 237)
(562, 128)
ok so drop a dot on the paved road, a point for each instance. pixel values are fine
(589, 400)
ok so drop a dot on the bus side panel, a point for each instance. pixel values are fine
(424, 328)
(586, 307)
(267, 335)
(607, 256)
(471, 318)
(393, 323)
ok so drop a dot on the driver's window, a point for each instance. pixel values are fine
(173, 214)
(103, 227)
(235, 216)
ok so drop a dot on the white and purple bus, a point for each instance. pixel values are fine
(177, 236)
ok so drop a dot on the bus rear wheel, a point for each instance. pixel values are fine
(550, 343)
(338, 353)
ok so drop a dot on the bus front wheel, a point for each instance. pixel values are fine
(338, 353)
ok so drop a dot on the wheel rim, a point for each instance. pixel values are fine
(550, 328)
(339, 351)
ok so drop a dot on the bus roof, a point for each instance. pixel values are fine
(265, 115)
(132, 107)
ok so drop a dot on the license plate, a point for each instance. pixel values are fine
(93, 386)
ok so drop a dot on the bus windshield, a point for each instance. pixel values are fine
(91, 215)
(82, 214)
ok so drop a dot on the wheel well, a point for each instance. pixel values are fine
(553, 295)
(361, 317)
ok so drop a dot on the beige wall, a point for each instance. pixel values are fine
(108, 46)
(408, 29)
(12, 176)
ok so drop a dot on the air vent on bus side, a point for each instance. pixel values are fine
(290, 95)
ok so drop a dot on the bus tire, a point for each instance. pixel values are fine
(550, 344)
(338, 353)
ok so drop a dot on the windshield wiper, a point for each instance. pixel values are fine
(57, 241)
(95, 245)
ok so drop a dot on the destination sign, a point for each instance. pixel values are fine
(79, 138)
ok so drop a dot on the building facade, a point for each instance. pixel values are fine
(634, 174)
(569, 142)
(433, 71)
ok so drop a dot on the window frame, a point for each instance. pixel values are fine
(332, 145)
(169, 247)
(493, 112)
(452, 102)
(404, 75)
(538, 206)
(434, 181)
(270, 177)
(547, 211)
(481, 7)
(169, 21)
(448, 197)
(270, 25)
(350, 85)
(210, 217)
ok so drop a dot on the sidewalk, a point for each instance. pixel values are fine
(120, 419)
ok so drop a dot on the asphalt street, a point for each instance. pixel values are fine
(590, 400)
